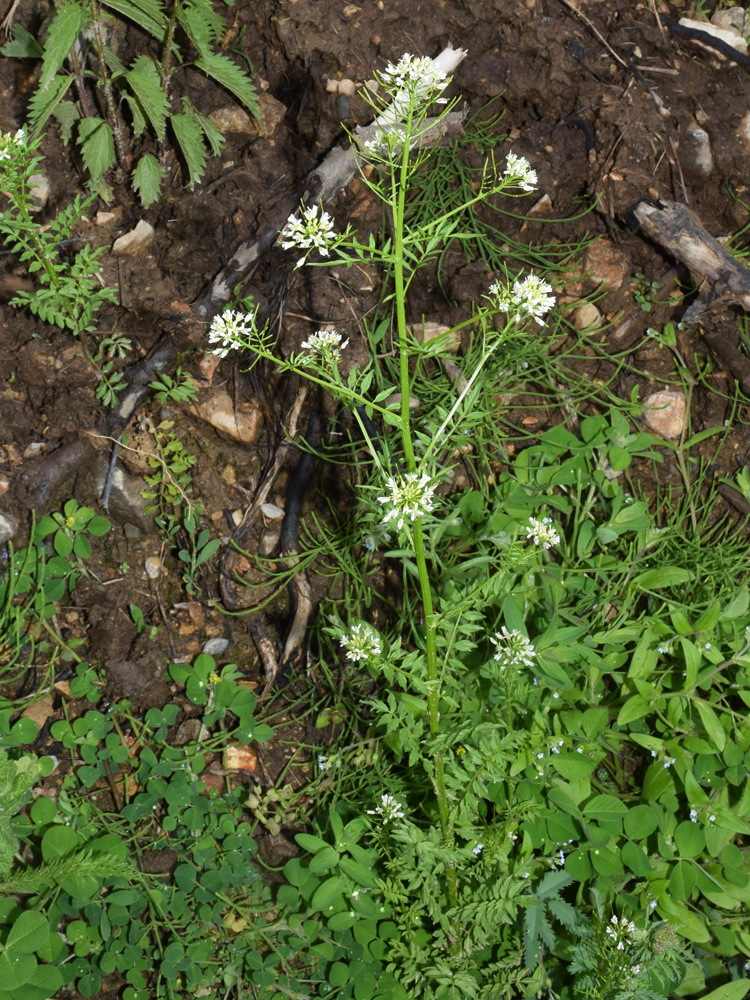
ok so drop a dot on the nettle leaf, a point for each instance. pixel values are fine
(214, 136)
(189, 137)
(69, 21)
(147, 178)
(536, 928)
(97, 146)
(202, 24)
(147, 14)
(66, 114)
(145, 82)
(23, 46)
(229, 75)
(44, 102)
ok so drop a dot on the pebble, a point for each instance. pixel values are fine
(271, 512)
(606, 265)
(347, 88)
(332, 85)
(38, 192)
(242, 422)
(586, 315)
(4, 483)
(153, 567)
(135, 241)
(34, 449)
(268, 542)
(215, 647)
(8, 528)
(699, 151)
(664, 412)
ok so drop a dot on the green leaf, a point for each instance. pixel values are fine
(59, 842)
(573, 766)
(147, 14)
(44, 102)
(730, 991)
(97, 146)
(69, 21)
(635, 858)
(359, 873)
(690, 839)
(29, 932)
(23, 46)
(664, 576)
(145, 82)
(229, 75)
(189, 137)
(634, 708)
(641, 821)
(66, 115)
(98, 526)
(604, 807)
(711, 724)
(327, 893)
(147, 179)
(682, 880)
(310, 843)
(324, 860)
(15, 970)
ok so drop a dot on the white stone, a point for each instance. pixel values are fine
(664, 412)
(241, 422)
(135, 241)
(728, 35)
(38, 192)
(153, 567)
(332, 85)
(347, 88)
(586, 315)
(271, 512)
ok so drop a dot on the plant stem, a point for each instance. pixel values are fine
(398, 206)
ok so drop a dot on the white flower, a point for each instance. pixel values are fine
(309, 232)
(513, 649)
(10, 145)
(542, 532)
(361, 643)
(410, 497)
(390, 809)
(477, 849)
(622, 932)
(712, 818)
(518, 169)
(419, 75)
(326, 346)
(693, 815)
(530, 297)
(668, 762)
(230, 329)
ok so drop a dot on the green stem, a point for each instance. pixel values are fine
(398, 206)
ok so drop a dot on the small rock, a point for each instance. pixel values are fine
(8, 528)
(153, 567)
(347, 88)
(586, 315)
(38, 192)
(732, 19)
(699, 158)
(188, 732)
(606, 266)
(240, 758)
(271, 512)
(395, 400)
(105, 218)
(664, 412)
(34, 449)
(427, 332)
(541, 207)
(126, 504)
(332, 85)
(343, 108)
(135, 241)
(268, 542)
(4, 484)
(242, 422)
(229, 475)
(234, 120)
(215, 647)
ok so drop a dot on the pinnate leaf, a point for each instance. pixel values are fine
(228, 74)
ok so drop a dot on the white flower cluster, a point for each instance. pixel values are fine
(622, 932)
(519, 170)
(309, 233)
(410, 497)
(362, 642)
(10, 144)
(530, 297)
(389, 809)
(419, 75)
(542, 532)
(230, 329)
(513, 649)
(325, 345)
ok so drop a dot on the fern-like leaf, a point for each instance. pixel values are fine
(97, 146)
(220, 68)
(145, 82)
(214, 136)
(189, 137)
(536, 929)
(147, 178)
(44, 102)
(147, 14)
(23, 45)
(69, 21)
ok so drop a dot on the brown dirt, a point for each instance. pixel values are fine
(591, 128)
